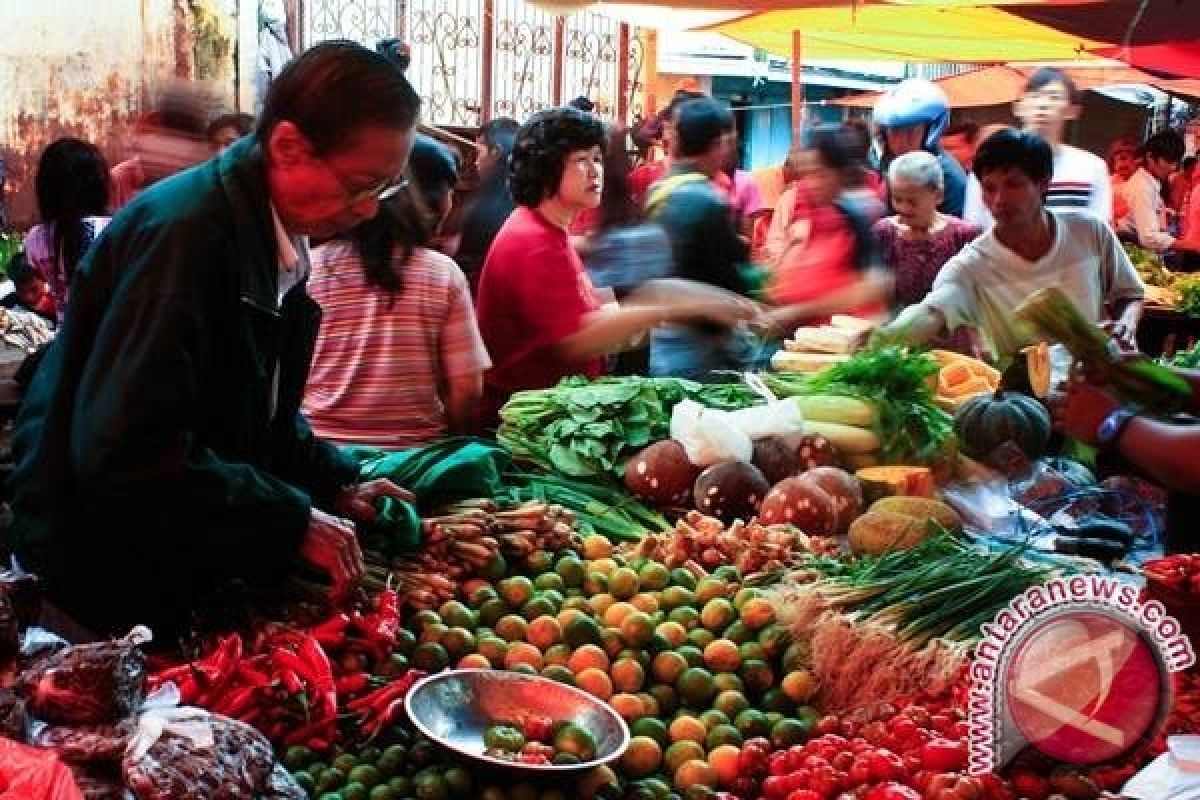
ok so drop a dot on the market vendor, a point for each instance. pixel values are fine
(538, 313)
(1163, 451)
(1029, 248)
(160, 455)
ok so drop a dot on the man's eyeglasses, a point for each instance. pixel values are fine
(380, 191)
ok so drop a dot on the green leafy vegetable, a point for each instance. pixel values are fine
(911, 428)
(588, 429)
(1188, 289)
(599, 508)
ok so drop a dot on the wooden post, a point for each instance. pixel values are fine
(622, 107)
(797, 86)
(487, 55)
(650, 72)
(560, 35)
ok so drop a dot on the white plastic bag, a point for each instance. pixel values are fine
(707, 435)
(776, 418)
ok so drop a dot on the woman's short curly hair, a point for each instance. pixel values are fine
(540, 151)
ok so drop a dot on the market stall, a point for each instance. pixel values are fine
(769, 588)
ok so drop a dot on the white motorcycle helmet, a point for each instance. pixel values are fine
(915, 102)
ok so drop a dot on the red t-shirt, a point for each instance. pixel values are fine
(533, 293)
(645, 176)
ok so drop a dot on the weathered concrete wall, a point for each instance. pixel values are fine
(84, 68)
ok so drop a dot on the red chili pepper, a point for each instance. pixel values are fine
(321, 672)
(385, 717)
(291, 681)
(352, 684)
(332, 632)
(325, 729)
(238, 702)
(224, 663)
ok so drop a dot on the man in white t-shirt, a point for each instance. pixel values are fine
(1080, 180)
(1027, 249)
(1145, 221)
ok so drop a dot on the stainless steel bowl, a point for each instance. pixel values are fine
(455, 707)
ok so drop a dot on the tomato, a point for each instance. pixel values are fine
(919, 716)
(825, 781)
(775, 787)
(944, 755)
(537, 728)
(859, 774)
(804, 794)
(949, 786)
(1030, 785)
(893, 791)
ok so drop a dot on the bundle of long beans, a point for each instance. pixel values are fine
(940, 589)
(598, 508)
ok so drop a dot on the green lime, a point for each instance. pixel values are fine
(788, 732)
(652, 727)
(503, 737)
(712, 718)
(430, 657)
(424, 618)
(574, 740)
(458, 781)
(456, 615)
(355, 791)
(297, 758)
(492, 610)
(695, 686)
(731, 703)
(723, 734)
(549, 580)
(480, 595)
(693, 655)
(738, 632)
(345, 762)
(366, 774)
(774, 699)
(401, 785)
(582, 630)
(751, 722)
(572, 571)
(757, 675)
(330, 779)
(458, 642)
(392, 760)
(684, 578)
(429, 785)
(383, 792)
(653, 576)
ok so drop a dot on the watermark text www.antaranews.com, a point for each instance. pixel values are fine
(1117, 599)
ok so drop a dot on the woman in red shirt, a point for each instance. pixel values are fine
(538, 314)
(831, 263)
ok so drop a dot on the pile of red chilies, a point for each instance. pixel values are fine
(285, 683)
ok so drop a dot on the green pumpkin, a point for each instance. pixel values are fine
(988, 421)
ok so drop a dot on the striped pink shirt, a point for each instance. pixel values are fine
(377, 371)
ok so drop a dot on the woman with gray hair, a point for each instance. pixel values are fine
(918, 240)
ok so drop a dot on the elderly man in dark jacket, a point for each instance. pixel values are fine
(160, 452)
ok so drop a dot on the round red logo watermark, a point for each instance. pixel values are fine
(1084, 686)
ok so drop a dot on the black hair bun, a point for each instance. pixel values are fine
(395, 51)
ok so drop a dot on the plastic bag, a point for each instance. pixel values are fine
(14, 716)
(25, 591)
(10, 634)
(100, 783)
(188, 752)
(776, 418)
(282, 786)
(88, 744)
(707, 435)
(30, 773)
(88, 684)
